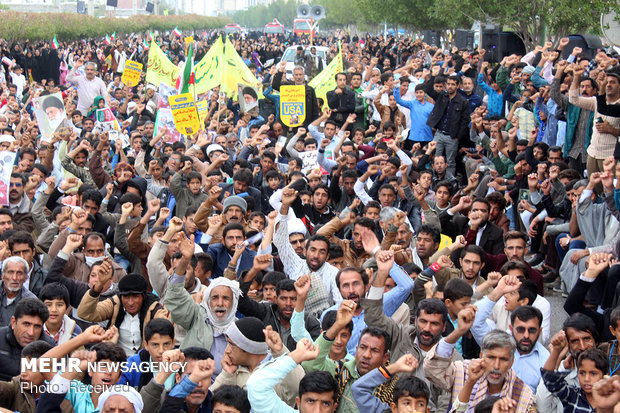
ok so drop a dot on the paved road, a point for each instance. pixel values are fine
(558, 315)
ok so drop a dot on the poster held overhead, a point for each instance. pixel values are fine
(50, 113)
(292, 105)
(184, 112)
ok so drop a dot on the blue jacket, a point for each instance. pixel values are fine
(132, 376)
(473, 99)
(221, 258)
(495, 102)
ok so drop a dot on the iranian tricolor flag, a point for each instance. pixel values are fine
(107, 40)
(145, 45)
(177, 32)
(186, 78)
(151, 37)
(113, 37)
(54, 43)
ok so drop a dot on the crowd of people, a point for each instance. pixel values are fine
(392, 253)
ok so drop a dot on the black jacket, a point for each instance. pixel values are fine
(50, 402)
(471, 349)
(492, 239)
(268, 313)
(177, 404)
(459, 118)
(312, 106)
(342, 105)
(11, 352)
(574, 304)
(253, 192)
(76, 288)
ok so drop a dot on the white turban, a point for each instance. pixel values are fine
(127, 392)
(296, 226)
(221, 326)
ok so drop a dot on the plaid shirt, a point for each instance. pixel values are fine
(322, 294)
(58, 335)
(449, 375)
(573, 398)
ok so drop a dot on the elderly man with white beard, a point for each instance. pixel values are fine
(14, 274)
(206, 322)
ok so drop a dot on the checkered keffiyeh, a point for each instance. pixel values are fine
(513, 387)
(318, 299)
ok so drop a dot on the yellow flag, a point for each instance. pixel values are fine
(326, 80)
(236, 72)
(159, 68)
(210, 69)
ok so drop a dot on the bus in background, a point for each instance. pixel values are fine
(274, 28)
(232, 29)
(303, 27)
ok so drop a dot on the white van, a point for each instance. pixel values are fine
(291, 51)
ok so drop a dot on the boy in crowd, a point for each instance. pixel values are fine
(457, 295)
(20, 394)
(611, 349)
(410, 393)
(592, 365)
(59, 325)
(158, 338)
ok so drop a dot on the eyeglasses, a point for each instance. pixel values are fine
(16, 184)
(531, 330)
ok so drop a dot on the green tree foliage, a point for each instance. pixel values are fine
(338, 13)
(531, 20)
(258, 16)
(71, 26)
(414, 14)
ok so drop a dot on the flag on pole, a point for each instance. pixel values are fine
(177, 32)
(113, 37)
(159, 68)
(107, 40)
(187, 80)
(326, 80)
(145, 45)
(236, 72)
(210, 69)
(54, 43)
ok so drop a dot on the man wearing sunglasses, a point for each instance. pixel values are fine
(526, 322)
(20, 205)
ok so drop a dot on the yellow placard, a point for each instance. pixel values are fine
(184, 112)
(132, 72)
(292, 105)
(189, 39)
(203, 109)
